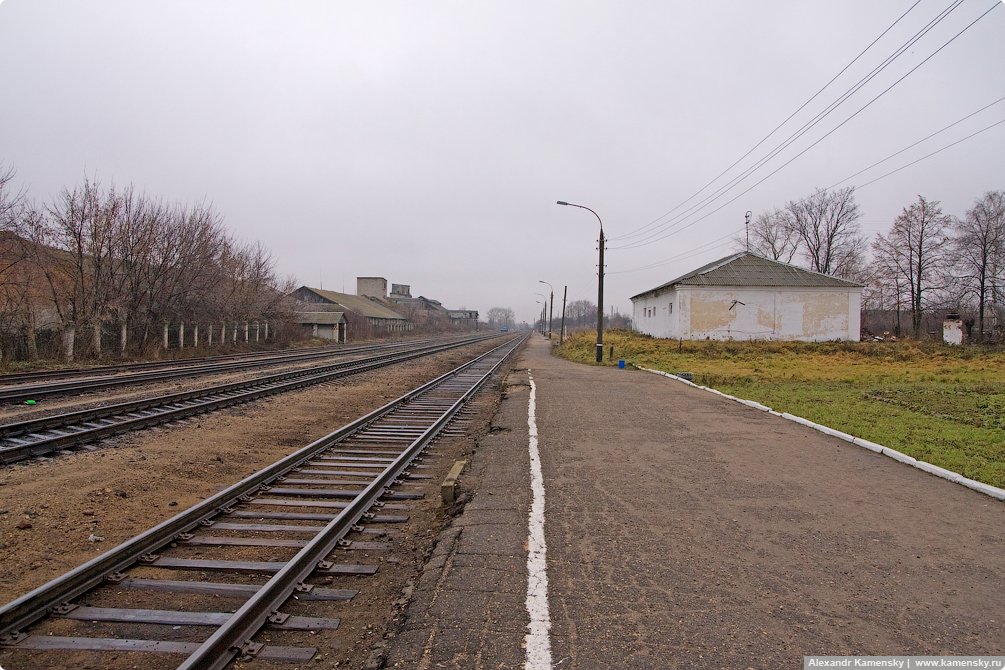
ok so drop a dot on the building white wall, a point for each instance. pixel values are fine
(698, 313)
(657, 316)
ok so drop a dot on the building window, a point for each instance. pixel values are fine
(671, 309)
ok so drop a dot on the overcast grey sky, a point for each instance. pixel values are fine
(428, 142)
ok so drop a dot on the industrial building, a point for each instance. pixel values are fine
(748, 297)
(323, 325)
(330, 314)
(359, 308)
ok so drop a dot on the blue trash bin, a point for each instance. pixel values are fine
(621, 364)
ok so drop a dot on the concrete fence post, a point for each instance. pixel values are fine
(245, 331)
(96, 338)
(123, 338)
(69, 334)
(32, 344)
(266, 331)
(210, 334)
(258, 328)
(181, 335)
(234, 337)
(195, 335)
(164, 340)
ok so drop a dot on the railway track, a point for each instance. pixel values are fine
(45, 436)
(135, 599)
(140, 374)
(90, 371)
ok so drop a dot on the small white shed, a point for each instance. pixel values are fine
(749, 297)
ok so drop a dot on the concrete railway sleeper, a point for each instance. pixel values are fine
(41, 437)
(108, 379)
(102, 604)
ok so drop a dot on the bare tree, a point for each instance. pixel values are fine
(772, 235)
(501, 316)
(582, 314)
(95, 255)
(980, 251)
(914, 254)
(15, 308)
(826, 224)
(10, 202)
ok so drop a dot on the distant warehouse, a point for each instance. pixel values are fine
(748, 297)
(364, 310)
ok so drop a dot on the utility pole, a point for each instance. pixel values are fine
(746, 226)
(600, 283)
(551, 314)
(561, 333)
(600, 299)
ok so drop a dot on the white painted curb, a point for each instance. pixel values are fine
(986, 489)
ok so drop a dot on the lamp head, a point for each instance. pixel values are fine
(562, 203)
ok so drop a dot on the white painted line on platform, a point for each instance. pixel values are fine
(537, 641)
(980, 487)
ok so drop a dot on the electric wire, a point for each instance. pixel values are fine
(925, 139)
(777, 128)
(948, 146)
(791, 139)
(821, 139)
(687, 254)
(722, 190)
(701, 249)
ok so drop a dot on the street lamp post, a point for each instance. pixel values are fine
(544, 319)
(551, 310)
(600, 284)
(561, 333)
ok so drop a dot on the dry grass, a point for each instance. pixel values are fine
(941, 404)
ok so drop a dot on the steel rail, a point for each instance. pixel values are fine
(229, 639)
(8, 379)
(42, 423)
(22, 612)
(124, 418)
(33, 391)
(11, 378)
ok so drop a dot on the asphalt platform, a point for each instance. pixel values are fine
(685, 530)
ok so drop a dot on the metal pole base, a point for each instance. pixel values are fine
(600, 353)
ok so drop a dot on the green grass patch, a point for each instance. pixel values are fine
(941, 404)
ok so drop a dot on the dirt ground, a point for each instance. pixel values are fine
(55, 515)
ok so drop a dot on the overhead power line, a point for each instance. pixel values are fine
(809, 125)
(925, 139)
(777, 128)
(948, 146)
(649, 240)
(687, 254)
(702, 248)
(728, 186)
